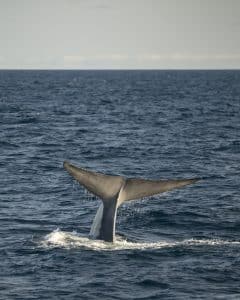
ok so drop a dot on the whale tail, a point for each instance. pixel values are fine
(104, 186)
(114, 190)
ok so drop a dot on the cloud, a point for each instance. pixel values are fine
(118, 57)
(82, 58)
(74, 59)
(126, 61)
(103, 6)
(190, 57)
(96, 61)
(152, 60)
(227, 56)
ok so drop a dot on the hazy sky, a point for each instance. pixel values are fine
(86, 34)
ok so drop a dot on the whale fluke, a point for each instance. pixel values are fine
(104, 186)
(114, 190)
(138, 188)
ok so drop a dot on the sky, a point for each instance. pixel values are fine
(119, 34)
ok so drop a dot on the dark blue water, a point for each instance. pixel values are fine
(153, 124)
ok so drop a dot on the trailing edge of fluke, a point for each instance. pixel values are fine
(113, 191)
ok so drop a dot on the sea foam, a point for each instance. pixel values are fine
(69, 240)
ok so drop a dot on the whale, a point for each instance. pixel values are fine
(114, 190)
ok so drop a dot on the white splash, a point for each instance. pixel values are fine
(69, 240)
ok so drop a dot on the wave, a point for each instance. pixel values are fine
(69, 240)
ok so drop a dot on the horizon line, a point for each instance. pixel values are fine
(120, 69)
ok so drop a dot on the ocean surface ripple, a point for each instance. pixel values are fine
(184, 244)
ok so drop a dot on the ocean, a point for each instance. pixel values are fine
(184, 244)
